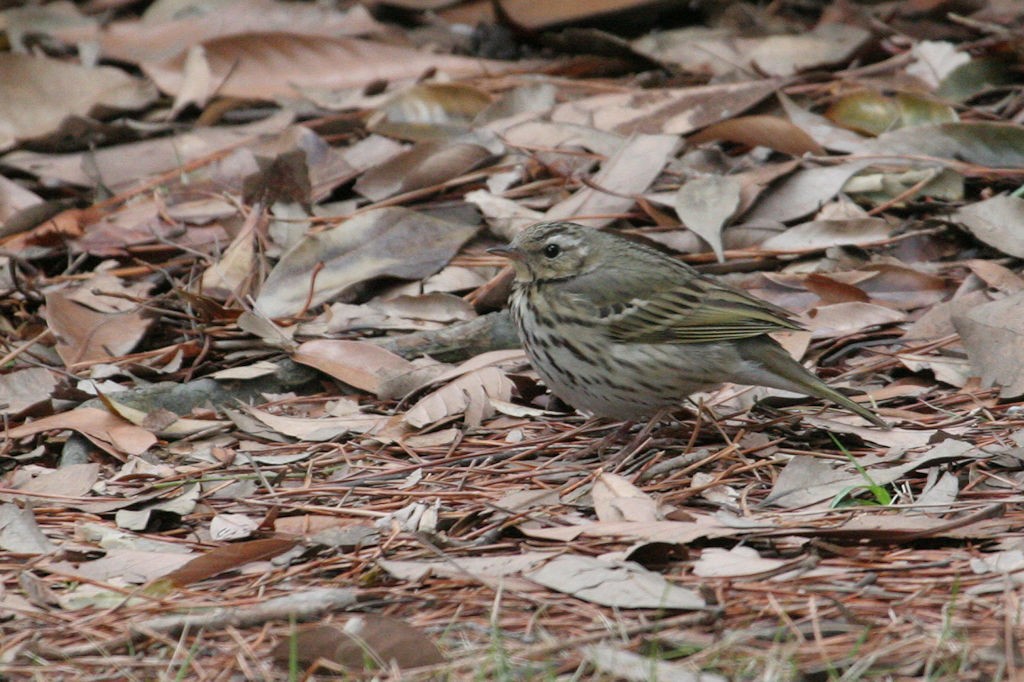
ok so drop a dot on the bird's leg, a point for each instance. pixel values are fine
(642, 438)
(616, 435)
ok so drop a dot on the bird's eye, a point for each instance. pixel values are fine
(552, 250)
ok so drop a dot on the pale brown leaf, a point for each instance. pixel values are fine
(269, 65)
(37, 94)
(993, 335)
(394, 242)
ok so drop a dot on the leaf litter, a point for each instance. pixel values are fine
(255, 369)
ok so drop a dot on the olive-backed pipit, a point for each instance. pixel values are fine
(621, 330)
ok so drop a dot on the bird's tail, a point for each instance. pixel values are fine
(789, 375)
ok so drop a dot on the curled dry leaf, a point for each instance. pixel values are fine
(624, 585)
(616, 499)
(470, 394)
(226, 558)
(393, 242)
(822, 234)
(706, 204)
(628, 172)
(999, 222)
(772, 132)
(428, 164)
(993, 335)
(366, 366)
(25, 389)
(367, 641)
(271, 65)
(37, 94)
(108, 432)
(674, 111)
(427, 111)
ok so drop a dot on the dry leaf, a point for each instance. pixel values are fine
(270, 65)
(37, 94)
(628, 172)
(624, 585)
(328, 428)
(677, 111)
(616, 499)
(25, 389)
(706, 204)
(427, 111)
(993, 335)
(365, 365)
(106, 431)
(470, 394)
(393, 242)
(367, 641)
(804, 192)
(427, 164)
(161, 35)
(998, 222)
(19, 532)
(761, 131)
(822, 234)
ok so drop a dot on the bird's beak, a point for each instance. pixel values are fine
(509, 252)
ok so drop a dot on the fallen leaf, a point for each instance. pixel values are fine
(75, 480)
(428, 111)
(19, 532)
(803, 192)
(673, 111)
(706, 204)
(37, 94)
(280, 64)
(628, 172)
(842, 319)
(468, 395)
(393, 242)
(809, 480)
(619, 664)
(365, 365)
(616, 499)
(993, 335)
(822, 234)
(226, 558)
(325, 428)
(108, 432)
(772, 132)
(427, 164)
(366, 641)
(85, 335)
(623, 585)
(997, 221)
(25, 389)
(716, 562)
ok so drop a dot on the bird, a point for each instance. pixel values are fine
(619, 329)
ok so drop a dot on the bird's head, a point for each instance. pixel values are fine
(553, 251)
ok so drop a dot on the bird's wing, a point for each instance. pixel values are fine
(693, 310)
